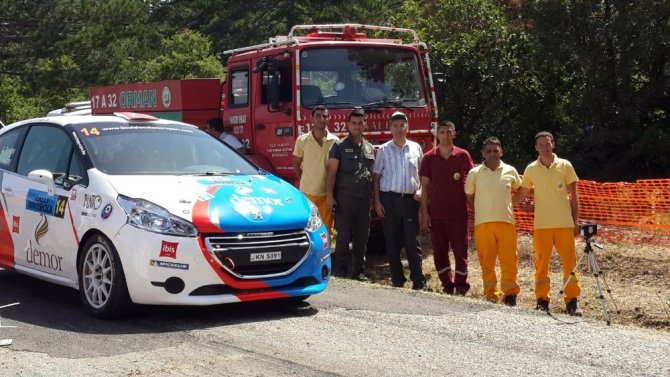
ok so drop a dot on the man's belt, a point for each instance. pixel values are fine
(400, 194)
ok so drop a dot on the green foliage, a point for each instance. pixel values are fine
(596, 74)
(13, 106)
(185, 55)
(489, 91)
(230, 25)
(605, 65)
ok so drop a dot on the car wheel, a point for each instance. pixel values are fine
(102, 283)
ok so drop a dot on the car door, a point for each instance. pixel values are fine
(9, 145)
(46, 240)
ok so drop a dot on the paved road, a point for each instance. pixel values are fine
(353, 329)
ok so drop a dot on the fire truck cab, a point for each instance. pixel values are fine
(271, 89)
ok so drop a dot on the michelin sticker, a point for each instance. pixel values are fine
(160, 263)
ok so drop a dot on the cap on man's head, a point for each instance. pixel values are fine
(399, 116)
(357, 112)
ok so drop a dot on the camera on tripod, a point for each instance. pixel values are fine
(588, 230)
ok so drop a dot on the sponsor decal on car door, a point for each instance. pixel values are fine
(44, 239)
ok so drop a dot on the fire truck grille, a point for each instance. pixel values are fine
(260, 254)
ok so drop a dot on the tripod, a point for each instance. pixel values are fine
(595, 271)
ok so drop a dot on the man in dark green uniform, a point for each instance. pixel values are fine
(349, 189)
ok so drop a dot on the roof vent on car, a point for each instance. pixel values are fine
(136, 116)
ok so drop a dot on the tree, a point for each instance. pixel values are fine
(229, 25)
(607, 66)
(489, 88)
(186, 54)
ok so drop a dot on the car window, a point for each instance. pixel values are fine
(8, 146)
(75, 175)
(46, 148)
(77, 172)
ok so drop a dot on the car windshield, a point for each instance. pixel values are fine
(165, 149)
(354, 76)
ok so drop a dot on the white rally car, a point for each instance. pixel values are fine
(132, 209)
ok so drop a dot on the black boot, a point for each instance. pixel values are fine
(572, 309)
(543, 305)
(510, 300)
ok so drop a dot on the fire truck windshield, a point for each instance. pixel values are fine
(361, 76)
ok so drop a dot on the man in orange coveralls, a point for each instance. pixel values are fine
(554, 184)
(488, 189)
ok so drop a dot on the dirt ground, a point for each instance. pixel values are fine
(638, 278)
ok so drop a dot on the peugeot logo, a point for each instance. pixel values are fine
(228, 261)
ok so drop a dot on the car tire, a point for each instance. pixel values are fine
(102, 283)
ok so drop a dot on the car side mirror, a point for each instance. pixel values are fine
(45, 177)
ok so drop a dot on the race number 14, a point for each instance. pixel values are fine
(92, 131)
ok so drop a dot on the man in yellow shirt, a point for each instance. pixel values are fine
(488, 189)
(554, 184)
(310, 158)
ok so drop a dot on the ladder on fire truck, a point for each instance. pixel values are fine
(330, 31)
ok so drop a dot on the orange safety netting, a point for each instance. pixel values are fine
(626, 212)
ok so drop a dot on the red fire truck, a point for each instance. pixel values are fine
(270, 89)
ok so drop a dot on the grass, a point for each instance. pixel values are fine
(637, 275)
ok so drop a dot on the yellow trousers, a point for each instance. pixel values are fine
(326, 216)
(544, 240)
(497, 241)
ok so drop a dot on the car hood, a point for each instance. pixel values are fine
(216, 204)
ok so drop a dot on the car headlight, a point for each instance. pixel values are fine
(314, 221)
(143, 214)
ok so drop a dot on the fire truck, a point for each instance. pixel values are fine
(271, 89)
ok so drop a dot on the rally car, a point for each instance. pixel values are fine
(133, 209)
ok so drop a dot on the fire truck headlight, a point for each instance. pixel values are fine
(143, 214)
(314, 221)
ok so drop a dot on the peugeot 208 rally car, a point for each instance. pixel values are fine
(132, 209)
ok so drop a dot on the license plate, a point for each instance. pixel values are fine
(264, 257)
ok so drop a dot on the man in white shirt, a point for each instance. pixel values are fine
(397, 192)
(215, 127)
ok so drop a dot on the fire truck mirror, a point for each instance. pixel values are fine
(261, 65)
(272, 66)
(440, 87)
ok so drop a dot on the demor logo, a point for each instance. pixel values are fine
(42, 258)
(39, 257)
(42, 229)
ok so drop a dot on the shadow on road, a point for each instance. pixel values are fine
(59, 308)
